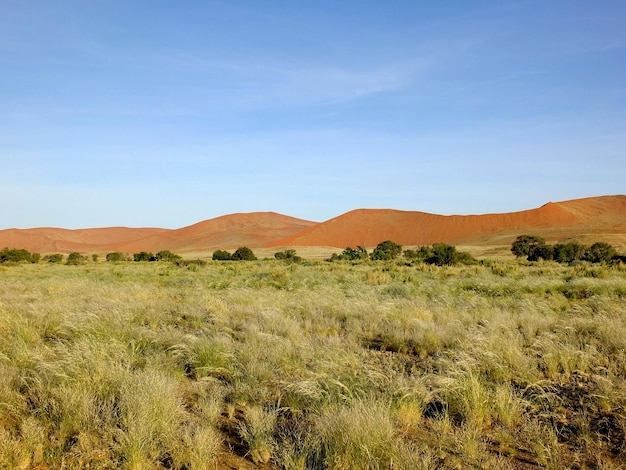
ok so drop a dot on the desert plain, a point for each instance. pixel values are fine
(499, 363)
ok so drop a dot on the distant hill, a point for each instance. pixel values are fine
(49, 240)
(253, 229)
(230, 231)
(562, 220)
(587, 220)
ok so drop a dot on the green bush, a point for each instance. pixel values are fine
(243, 253)
(531, 246)
(440, 254)
(425, 253)
(545, 252)
(144, 256)
(568, 252)
(535, 248)
(444, 255)
(53, 258)
(17, 255)
(116, 256)
(166, 255)
(600, 252)
(289, 255)
(221, 255)
(75, 258)
(386, 250)
(350, 254)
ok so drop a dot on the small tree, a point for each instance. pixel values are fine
(599, 252)
(545, 252)
(94, 257)
(166, 255)
(424, 253)
(75, 258)
(243, 253)
(444, 254)
(16, 256)
(524, 245)
(289, 255)
(568, 252)
(53, 258)
(353, 254)
(386, 250)
(221, 255)
(116, 256)
(144, 256)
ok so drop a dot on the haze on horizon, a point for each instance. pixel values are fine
(153, 113)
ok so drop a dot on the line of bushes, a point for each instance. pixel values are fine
(535, 248)
(243, 253)
(440, 254)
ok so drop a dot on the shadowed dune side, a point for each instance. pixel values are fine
(600, 215)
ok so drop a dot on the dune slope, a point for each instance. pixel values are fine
(586, 220)
(368, 227)
(253, 229)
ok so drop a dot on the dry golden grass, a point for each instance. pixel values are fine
(312, 365)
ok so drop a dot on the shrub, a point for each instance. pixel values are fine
(221, 255)
(444, 255)
(144, 256)
(386, 250)
(350, 254)
(116, 256)
(243, 253)
(544, 252)
(353, 254)
(533, 247)
(440, 254)
(289, 255)
(16, 255)
(524, 245)
(599, 252)
(53, 258)
(425, 253)
(75, 258)
(166, 255)
(568, 252)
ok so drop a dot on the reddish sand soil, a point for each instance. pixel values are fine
(562, 220)
(253, 229)
(230, 231)
(586, 220)
(49, 240)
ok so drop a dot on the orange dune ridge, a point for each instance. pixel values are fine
(368, 227)
(254, 229)
(229, 231)
(49, 240)
(600, 218)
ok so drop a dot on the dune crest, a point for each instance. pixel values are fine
(368, 227)
(589, 219)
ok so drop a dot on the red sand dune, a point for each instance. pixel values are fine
(589, 219)
(254, 229)
(49, 240)
(606, 214)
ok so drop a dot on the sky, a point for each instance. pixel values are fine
(151, 113)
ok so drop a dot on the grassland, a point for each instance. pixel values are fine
(312, 365)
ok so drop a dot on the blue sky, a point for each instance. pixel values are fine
(163, 113)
